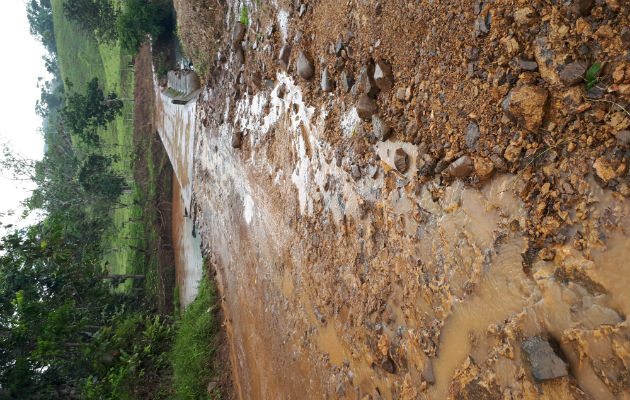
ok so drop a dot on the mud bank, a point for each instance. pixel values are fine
(336, 286)
(438, 262)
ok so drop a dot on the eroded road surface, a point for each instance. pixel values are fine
(452, 259)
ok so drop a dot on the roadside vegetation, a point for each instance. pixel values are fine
(86, 294)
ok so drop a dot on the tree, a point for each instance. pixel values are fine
(40, 18)
(48, 296)
(84, 113)
(142, 17)
(93, 17)
(97, 177)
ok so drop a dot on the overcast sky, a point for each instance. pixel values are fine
(22, 65)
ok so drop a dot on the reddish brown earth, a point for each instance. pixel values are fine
(479, 252)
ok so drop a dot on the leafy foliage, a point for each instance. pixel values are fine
(195, 345)
(142, 17)
(591, 75)
(93, 16)
(96, 176)
(131, 356)
(244, 17)
(40, 18)
(84, 113)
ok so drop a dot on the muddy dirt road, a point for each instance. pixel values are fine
(419, 200)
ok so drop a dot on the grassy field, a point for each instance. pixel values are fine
(82, 58)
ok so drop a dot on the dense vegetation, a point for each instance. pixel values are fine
(78, 290)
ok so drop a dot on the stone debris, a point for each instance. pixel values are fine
(365, 82)
(284, 56)
(346, 81)
(461, 168)
(237, 139)
(366, 107)
(526, 105)
(328, 85)
(471, 135)
(573, 73)
(401, 160)
(238, 34)
(545, 363)
(305, 67)
(383, 75)
(380, 128)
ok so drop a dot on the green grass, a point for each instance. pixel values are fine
(82, 58)
(195, 345)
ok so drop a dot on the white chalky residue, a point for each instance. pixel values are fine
(283, 22)
(349, 121)
(248, 208)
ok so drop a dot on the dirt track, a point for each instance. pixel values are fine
(480, 251)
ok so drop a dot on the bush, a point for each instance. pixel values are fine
(131, 358)
(195, 345)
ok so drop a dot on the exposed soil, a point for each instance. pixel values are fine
(476, 249)
(147, 140)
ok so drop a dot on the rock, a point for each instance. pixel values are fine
(400, 94)
(498, 162)
(545, 363)
(411, 130)
(524, 16)
(484, 167)
(302, 10)
(283, 57)
(305, 67)
(573, 73)
(427, 373)
(388, 365)
(380, 128)
(481, 26)
(603, 169)
(526, 105)
(282, 89)
(401, 160)
(625, 35)
(471, 134)
(211, 386)
(365, 82)
(327, 83)
(356, 172)
(623, 138)
(239, 56)
(546, 59)
(426, 165)
(339, 46)
(383, 75)
(366, 107)
(340, 390)
(237, 139)
(238, 33)
(512, 152)
(461, 168)
(527, 65)
(595, 92)
(582, 7)
(346, 81)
